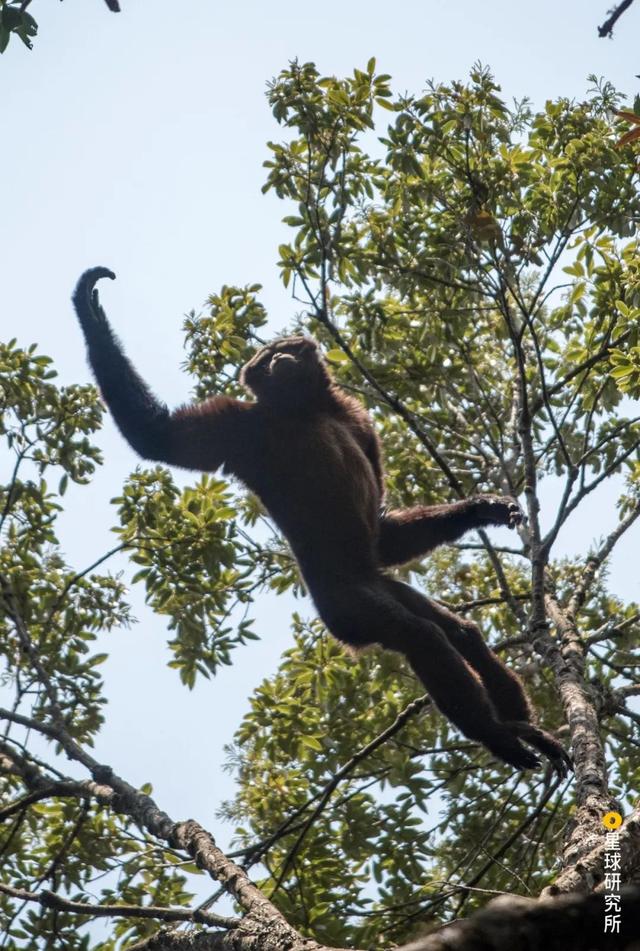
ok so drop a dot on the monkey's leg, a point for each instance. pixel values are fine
(365, 612)
(504, 687)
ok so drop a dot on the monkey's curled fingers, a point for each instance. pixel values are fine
(500, 510)
(85, 296)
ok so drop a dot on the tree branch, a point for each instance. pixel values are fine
(414, 707)
(569, 923)
(597, 559)
(589, 873)
(49, 899)
(593, 798)
(607, 27)
(263, 921)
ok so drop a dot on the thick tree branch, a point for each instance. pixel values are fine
(569, 923)
(588, 873)
(611, 629)
(263, 924)
(593, 798)
(614, 15)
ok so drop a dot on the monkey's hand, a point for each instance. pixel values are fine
(499, 510)
(86, 302)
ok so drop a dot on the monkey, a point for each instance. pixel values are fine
(309, 452)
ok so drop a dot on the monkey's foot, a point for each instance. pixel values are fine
(545, 744)
(504, 744)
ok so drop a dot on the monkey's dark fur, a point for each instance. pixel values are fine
(310, 453)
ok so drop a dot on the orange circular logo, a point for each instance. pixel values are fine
(612, 820)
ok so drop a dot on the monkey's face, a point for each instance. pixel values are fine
(286, 371)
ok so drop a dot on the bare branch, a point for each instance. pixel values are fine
(611, 629)
(262, 919)
(49, 899)
(463, 607)
(607, 27)
(586, 490)
(597, 559)
(569, 923)
(583, 367)
(593, 799)
(588, 873)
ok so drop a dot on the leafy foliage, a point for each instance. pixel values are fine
(192, 570)
(472, 271)
(478, 230)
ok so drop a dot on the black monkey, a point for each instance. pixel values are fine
(310, 453)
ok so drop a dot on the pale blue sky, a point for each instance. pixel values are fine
(136, 141)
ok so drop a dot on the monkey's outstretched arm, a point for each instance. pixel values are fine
(202, 436)
(409, 533)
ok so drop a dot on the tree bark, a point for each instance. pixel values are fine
(568, 923)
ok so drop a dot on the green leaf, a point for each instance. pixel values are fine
(311, 742)
(337, 356)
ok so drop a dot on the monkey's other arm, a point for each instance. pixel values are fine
(202, 436)
(409, 533)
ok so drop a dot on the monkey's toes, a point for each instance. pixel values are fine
(546, 744)
(561, 762)
(523, 759)
(510, 750)
(527, 760)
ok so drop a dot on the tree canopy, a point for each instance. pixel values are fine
(471, 268)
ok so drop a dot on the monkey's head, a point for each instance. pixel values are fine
(289, 373)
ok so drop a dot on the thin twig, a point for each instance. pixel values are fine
(49, 899)
(409, 711)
